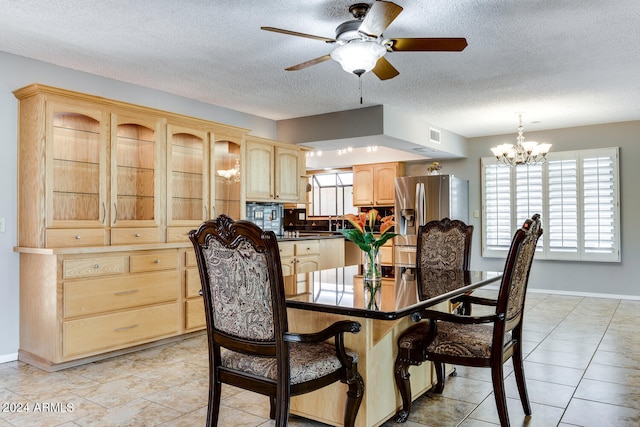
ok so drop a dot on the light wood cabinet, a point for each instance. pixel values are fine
(374, 184)
(62, 171)
(78, 305)
(273, 171)
(188, 190)
(98, 172)
(107, 194)
(332, 253)
(194, 317)
(228, 174)
(299, 257)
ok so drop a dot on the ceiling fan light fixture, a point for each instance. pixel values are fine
(358, 57)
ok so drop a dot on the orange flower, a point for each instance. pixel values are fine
(386, 223)
(357, 221)
(373, 216)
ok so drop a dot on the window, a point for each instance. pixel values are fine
(575, 192)
(332, 194)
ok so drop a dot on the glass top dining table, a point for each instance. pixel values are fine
(335, 291)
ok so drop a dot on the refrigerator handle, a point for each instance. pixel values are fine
(420, 205)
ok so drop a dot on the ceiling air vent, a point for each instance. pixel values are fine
(434, 135)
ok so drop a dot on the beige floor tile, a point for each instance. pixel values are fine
(559, 358)
(119, 392)
(613, 374)
(580, 347)
(541, 392)
(623, 360)
(552, 374)
(588, 413)
(139, 412)
(606, 392)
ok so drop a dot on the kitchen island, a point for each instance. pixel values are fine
(333, 295)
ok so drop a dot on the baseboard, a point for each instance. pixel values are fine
(4, 358)
(573, 293)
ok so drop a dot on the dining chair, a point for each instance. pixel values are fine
(442, 256)
(250, 345)
(487, 340)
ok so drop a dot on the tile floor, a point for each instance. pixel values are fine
(582, 368)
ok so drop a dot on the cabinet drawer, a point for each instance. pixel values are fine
(153, 262)
(92, 267)
(286, 249)
(75, 238)
(102, 295)
(132, 236)
(310, 247)
(194, 314)
(193, 285)
(112, 331)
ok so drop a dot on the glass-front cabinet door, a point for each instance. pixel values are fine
(188, 186)
(227, 178)
(135, 178)
(77, 163)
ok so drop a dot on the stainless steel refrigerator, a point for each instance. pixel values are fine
(420, 199)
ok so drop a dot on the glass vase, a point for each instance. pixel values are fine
(372, 280)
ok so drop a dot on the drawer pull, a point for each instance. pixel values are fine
(133, 291)
(96, 265)
(156, 261)
(138, 234)
(126, 328)
(78, 237)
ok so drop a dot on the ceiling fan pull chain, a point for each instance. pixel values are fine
(360, 83)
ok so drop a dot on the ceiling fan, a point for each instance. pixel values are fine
(361, 45)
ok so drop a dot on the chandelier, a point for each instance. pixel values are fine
(230, 176)
(523, 153)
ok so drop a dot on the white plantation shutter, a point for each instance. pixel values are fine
(528, 195)
(600, 224)
(497, 207)
(576, 193)
(562, 223)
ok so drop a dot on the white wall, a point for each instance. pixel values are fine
(18, 72)
(605, 279)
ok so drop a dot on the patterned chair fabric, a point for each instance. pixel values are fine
(240, 289)
(482, 341)
(250, 345)
(444, 244)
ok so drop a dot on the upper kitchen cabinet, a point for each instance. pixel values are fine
(62, 171)
(187, 178)
(137, 190)
(273, 171)
(374, 184)
(228, 163)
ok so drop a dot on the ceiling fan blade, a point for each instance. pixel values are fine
(379, 17)
(428, 44)
(384, 70)
(308, 63)
(295, 33)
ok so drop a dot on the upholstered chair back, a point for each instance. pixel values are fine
(444, 244)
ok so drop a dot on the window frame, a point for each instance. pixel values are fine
(340, 188)
(495, 245)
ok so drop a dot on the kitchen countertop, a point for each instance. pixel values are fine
(312, 235)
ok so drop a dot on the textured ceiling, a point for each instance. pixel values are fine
(561, 62)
